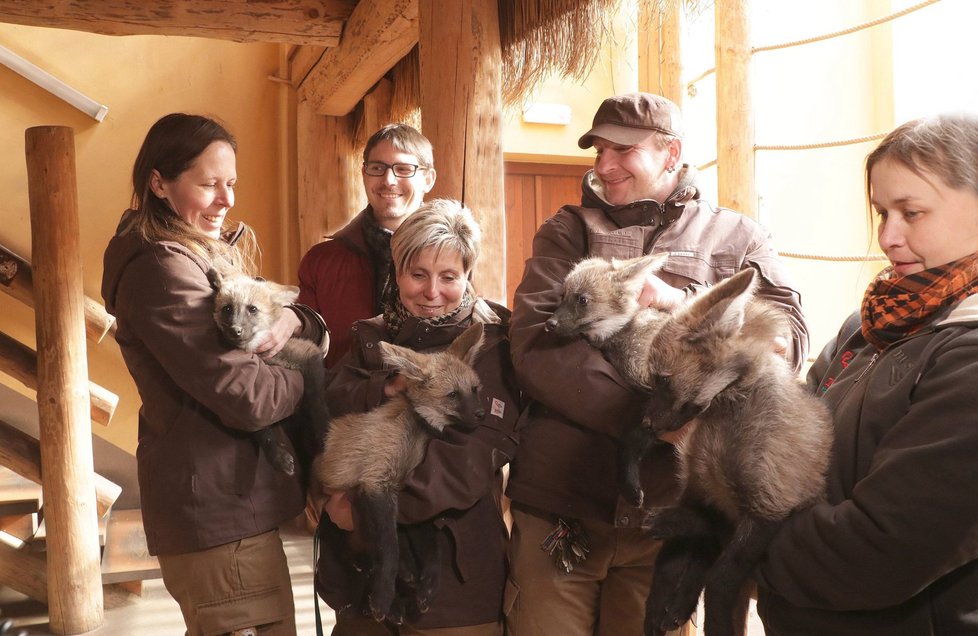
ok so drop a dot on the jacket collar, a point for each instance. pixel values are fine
(965, 311)
(351, 234)
(643, 211)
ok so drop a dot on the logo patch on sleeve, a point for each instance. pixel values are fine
(498, 408)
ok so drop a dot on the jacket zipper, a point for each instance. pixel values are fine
(869, 366)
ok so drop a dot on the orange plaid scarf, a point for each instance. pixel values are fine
(897, 307)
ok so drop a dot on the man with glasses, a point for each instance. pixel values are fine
(344, 277)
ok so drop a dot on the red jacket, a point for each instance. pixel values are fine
(336, 278)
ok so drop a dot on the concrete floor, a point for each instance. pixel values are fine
(155, 613)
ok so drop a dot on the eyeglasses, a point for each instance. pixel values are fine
(400, 170)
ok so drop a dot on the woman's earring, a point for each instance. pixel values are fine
(671, 168)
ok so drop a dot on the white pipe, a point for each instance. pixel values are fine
(53, 85)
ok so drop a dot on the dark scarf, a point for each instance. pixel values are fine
(378, 240)
(896, 307)
(395, 313)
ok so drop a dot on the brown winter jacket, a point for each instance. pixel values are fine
(894, 548)
(336, 278)
(567, 460)
(202, 480)
(456, 486)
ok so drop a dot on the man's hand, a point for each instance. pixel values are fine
(781, 346)
(339, 509)
(658, 294)
(284, 328)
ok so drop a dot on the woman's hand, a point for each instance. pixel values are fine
(395, 386)
(659, 294)
(284, 328)
(339, 509)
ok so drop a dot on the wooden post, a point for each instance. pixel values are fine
(17, 280)
(460, 113)
(660, 64)
(735, 114)
(74, 577)
(330, 186)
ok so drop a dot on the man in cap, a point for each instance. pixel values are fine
(639, 198)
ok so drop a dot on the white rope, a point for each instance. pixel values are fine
(868, 258)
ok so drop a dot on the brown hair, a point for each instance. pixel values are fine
(943, 145)
(404, 138)
(171, 146)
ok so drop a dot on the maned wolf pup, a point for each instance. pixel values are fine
(370, 454)
(600, 302)
(759, 451)
(245, 308)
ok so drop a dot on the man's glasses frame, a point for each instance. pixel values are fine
(400, 170)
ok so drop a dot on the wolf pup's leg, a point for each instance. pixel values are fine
(678, 579)
(726, 614)
(272, 441)
(376, 514)
(632, 448)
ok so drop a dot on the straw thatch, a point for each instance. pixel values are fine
(542, 38)
(539, 39)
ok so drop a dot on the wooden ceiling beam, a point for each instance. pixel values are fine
(314, 22)
(378, 34)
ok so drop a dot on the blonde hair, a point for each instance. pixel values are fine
(439, 224)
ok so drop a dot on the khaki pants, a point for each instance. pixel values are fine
(604, 596)
(233, 586)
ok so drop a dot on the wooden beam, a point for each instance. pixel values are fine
(301, 61)
(377, 35)
(24, 571)
(330, 189)
(736, 188)
(316, 22)
(20, 362)
(21, 453)
(461, 113)
(660, 64)
(17, 280)
(75, 602)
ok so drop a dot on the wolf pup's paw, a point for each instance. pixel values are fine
(633, 494)
(280, 457)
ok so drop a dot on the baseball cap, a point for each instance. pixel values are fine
(631, 118)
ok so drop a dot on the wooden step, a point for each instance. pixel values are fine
(23, 527)
(126, 557)
(18, 496)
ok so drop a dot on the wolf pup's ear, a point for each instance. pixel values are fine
(215, 279)
(720, 311)
(466, 347)
(411, 364)
(283, 294)
(635, 270)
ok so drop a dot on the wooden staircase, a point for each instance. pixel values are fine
(124, 556)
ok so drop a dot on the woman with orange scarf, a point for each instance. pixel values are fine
(894, 548)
